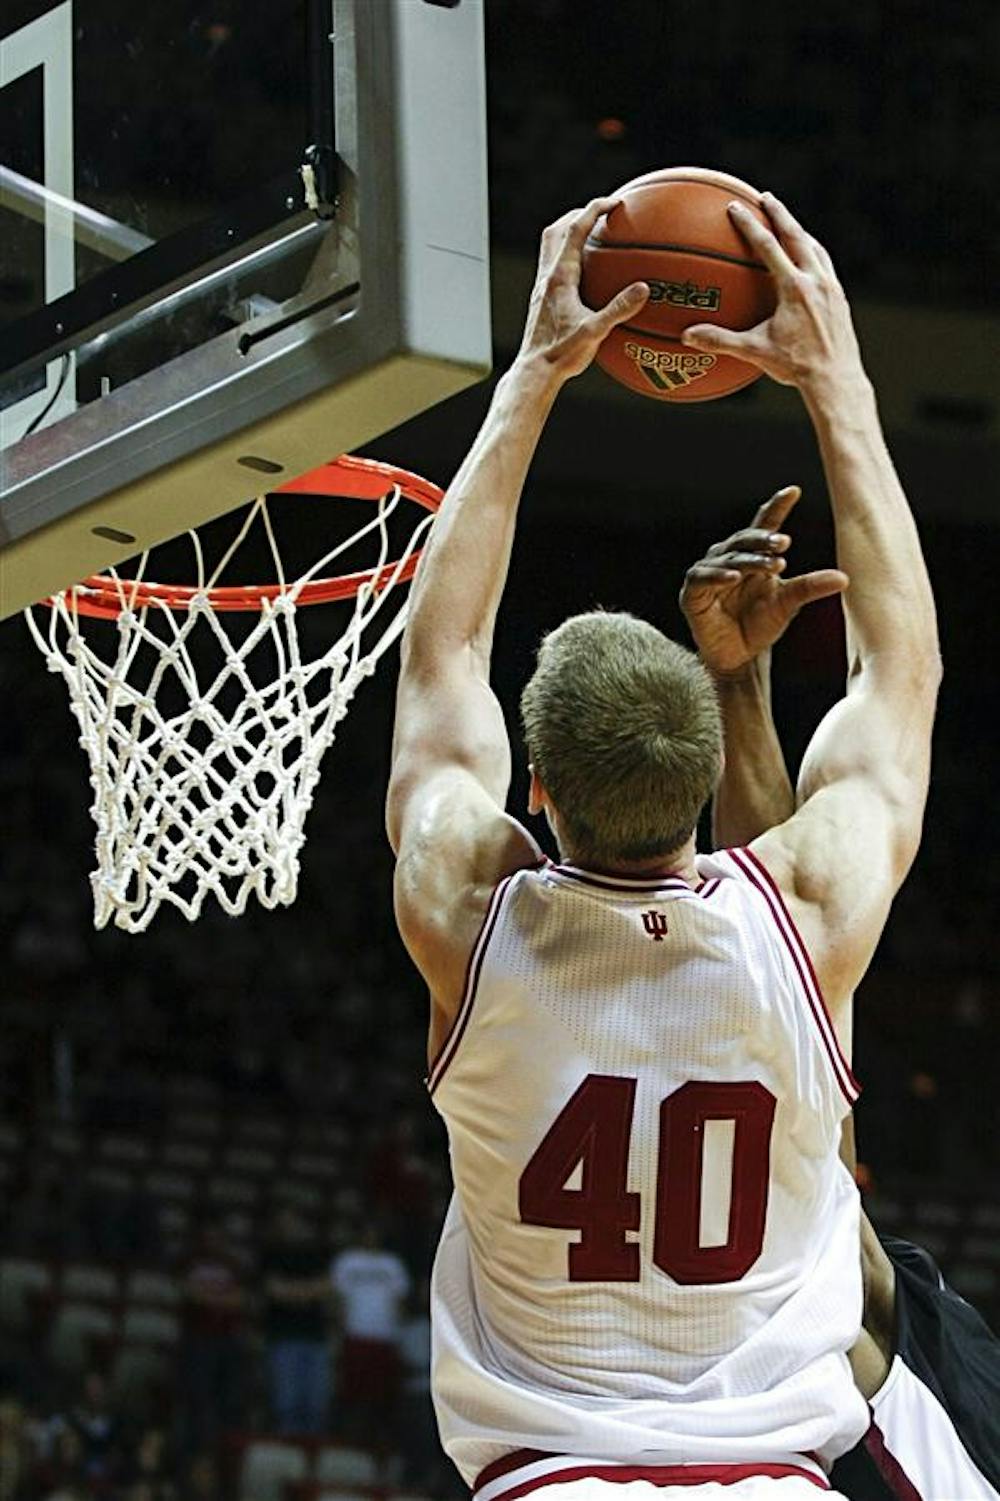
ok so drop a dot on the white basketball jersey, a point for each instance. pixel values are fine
(653, 1248)
(919, 1434)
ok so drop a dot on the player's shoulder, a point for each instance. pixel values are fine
(755, 880)
(446, 882)
(811, 893)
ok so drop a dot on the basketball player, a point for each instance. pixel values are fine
(925, 1359)
(649, 1272)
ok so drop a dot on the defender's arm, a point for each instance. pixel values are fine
(738, 605)
(755, 792)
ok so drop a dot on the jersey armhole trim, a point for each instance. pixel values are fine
(756, 872)
(449, 1047)
(892, 1380)
(888, 1466)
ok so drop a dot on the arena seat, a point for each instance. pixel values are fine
(136, 1372)
(76, 1328)
(169, 1185)
(174, 1220)
(324, 1493)
(67, 1141)
(232, 1191)
(187, 1154)
(152, 1287)
(90, 1284)
(249, 1160)
(312, 1165)
(305, 1196)
(973, 1281)
(151, 1326)
(943, 1213)
(20, 1279)
(982, 1248)
(267, 1468)
(262, 1129)
(986, 1217)
(124, 1149)
(111, 1178)
(200, 1123)
(346, 1466)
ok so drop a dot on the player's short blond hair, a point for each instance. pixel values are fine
(623, 728)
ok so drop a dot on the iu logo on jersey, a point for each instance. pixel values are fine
(655, 924)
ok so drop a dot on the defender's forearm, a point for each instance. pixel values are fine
(457, 590)
(755, 792)
(889, 606)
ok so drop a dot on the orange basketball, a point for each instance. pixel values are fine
(672, 230)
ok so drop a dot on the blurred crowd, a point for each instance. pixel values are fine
(876, 119)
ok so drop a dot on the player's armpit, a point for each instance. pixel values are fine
(837, 865)
(447, 717)
(842, 857)
(455, 845)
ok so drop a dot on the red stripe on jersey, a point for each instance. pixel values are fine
(761, 877)
(663, 1475)
(888, 1466)
(510, 1462)
(450, 1045)
(625, 885)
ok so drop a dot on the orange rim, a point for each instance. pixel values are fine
(347, 477)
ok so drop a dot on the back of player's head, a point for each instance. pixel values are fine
(624, 731)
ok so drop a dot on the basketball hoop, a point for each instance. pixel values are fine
(209, 795)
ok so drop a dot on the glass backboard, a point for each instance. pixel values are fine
(234, 241)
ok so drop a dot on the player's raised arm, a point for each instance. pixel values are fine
(738, 604)
(863, 784)
(451, 756)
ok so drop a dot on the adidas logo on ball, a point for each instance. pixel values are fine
(664, 367)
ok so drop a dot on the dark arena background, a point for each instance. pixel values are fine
(165, 1099)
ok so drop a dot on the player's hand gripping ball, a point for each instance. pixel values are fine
(672, 229)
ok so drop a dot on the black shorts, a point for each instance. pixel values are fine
(935, 1433)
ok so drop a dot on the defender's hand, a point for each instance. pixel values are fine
(809, 336)
(735, 600)
(560, 329)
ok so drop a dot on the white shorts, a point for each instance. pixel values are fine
(753, 1488)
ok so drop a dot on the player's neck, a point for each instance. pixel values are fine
(678, 864)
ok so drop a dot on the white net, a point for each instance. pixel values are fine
(204, 744)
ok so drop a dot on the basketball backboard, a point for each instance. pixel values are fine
(235, 241)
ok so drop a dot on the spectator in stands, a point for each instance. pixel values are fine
(399, 1187)
(296, 1283)
(87, 1441)
(151, 1464)
(61, 1475)
(202, 1482)
(211, 1350)
(426, 1470)
(15, 1446)
(371, 1284)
